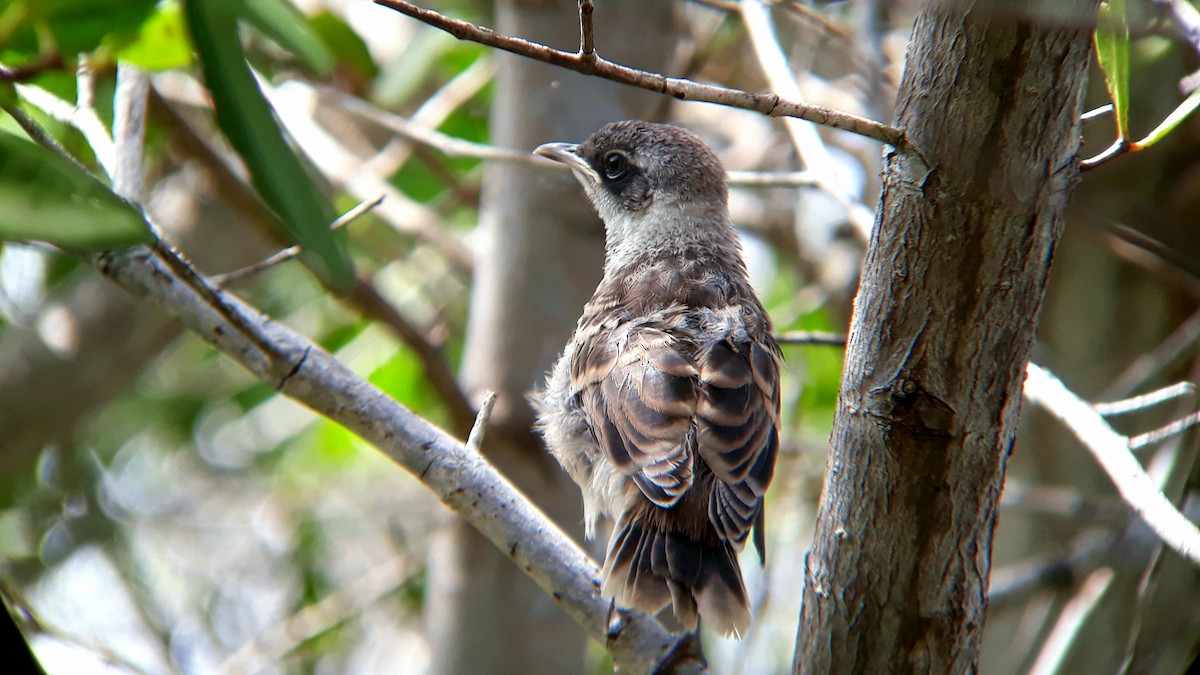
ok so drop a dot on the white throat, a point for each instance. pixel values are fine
(662, 227)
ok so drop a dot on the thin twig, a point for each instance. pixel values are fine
(84, 120)
(1177, 427)
(28, 71)
(223, 280)
(1118, 148)
(479, 429)
(173, 260)
(129, 126)
(1148, 364)
(1112, 451)
(811, 337)
(1076, 612)
(272, 645)
(432, 113)
(364, 297)
(1015, 581)
(683, 89)
(292, 103)
(1133, 404)
(587, 39)
(757, 18)
(452, 146)
(1097, 113)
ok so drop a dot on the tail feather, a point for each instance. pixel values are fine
(648, 566)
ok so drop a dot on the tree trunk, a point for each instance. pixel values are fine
(943, 325)
(541, 261)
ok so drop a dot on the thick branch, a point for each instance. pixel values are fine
(680, 88)
(944, 323)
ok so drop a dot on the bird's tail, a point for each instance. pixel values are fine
(648, 565)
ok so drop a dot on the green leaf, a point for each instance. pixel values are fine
(1173, 120)
(346, 45)
(45, 197)
(283, 23)
(1112, 49)
(248, 121)
(162, 42)
(81, 25)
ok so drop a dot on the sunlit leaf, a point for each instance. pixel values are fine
(162, 41)
(81, 25)
(283, 23)
(1173, 120)
(44, 197)
(1112, 49)
(247, 120)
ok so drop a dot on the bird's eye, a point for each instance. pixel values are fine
(616, 165)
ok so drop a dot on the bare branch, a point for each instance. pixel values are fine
(222, 280)
(811, 337)
(452, 146)
(1118, 148)
(1177, 427)
(1177, 390)
(364, 296)
(1016, 581)
(129, 130)
(479, 429)
(805, 138)
(587, 39)
(1072, 618)
(28, 71)
(1113, 453)
(435, 110)
(1150, 363)
(1097, 113)
(292, 103)
(270, 646)
(84, 120)
(683, 89)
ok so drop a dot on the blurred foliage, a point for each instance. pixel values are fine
(195, 510)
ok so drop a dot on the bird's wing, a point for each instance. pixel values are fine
(738, 425)
(641, 394)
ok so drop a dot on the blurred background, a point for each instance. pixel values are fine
(161, 511)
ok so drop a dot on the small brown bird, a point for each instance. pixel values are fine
(664, 406)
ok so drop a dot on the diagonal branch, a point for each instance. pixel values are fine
(463, 480)
(680, 88)
(1112, 451)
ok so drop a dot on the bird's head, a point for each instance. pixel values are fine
(655, 186)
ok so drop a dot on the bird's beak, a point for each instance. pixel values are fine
(567, 153)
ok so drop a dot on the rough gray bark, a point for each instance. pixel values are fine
(542, 259)
(943, 326)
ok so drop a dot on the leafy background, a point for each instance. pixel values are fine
(161, 511)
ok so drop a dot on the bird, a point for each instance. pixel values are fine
(664, 405)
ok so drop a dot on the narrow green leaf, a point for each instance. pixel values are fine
(44, 197)
(283, 23)
(1179, 114)
(1112, 49)
(247, 120)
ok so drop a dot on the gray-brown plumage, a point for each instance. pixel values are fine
(664, 407)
